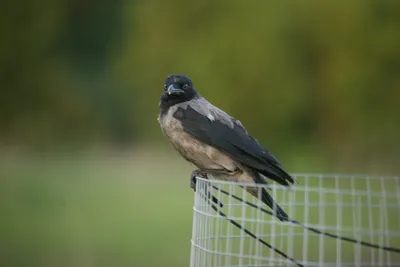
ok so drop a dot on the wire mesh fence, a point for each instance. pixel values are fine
(335, 220)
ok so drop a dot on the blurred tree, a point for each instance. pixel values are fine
(311, 76)
(54, 61)
(300, 75)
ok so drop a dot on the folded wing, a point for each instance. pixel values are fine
(234, 141)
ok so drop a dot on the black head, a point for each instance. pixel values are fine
(177, 89)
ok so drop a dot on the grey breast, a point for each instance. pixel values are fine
(200, 154)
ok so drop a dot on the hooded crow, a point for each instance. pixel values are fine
(216, 142)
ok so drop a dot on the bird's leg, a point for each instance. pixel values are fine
(194, 175)
(203, 173)
(193, 180)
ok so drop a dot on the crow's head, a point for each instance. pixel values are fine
(177, 89)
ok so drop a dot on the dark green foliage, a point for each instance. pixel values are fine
(323, 77)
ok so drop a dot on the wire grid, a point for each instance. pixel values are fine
(359, 207)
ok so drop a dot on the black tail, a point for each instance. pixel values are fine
(269, 201)
(276, 173)
(266, 197)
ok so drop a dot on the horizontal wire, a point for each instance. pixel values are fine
(210, 196)
(391, 249)
(343, 192)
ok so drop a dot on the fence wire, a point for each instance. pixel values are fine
(335, 220)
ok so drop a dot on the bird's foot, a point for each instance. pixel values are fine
(194, 175)
(203, 174)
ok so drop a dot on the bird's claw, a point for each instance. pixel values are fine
(193, 178)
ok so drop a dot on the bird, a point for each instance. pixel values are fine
(217, 143)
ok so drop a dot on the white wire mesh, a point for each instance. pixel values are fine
(363, 208)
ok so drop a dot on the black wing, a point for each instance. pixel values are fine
(233, 141)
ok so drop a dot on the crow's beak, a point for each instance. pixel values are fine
(172, 90)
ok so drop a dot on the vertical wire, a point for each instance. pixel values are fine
(204, 225)
(201, 228)
(321, 219)
(254, 221)
(361, 229)
(386, 235)
(273, 225)
(306, 215)
(194, 229)
(259, 230)
(292, 214)
(209, 223)
(229, 228)
(221, 225)
(370, 219)
(398, 195)
(357, 223)
(338, 222)
(281, 225)
(233, 229)
(242, 236)
(198, 231)
(380, 230)
(218, 225)
(381, 233)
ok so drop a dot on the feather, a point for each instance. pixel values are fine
(230, 137)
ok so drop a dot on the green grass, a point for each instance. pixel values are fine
(95, 212)
(107, 211)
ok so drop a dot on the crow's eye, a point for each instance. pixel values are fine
(185, 86)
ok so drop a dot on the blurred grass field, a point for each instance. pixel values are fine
(118, 211)
(121, 210)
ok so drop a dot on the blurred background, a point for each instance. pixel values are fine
(86, 177)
